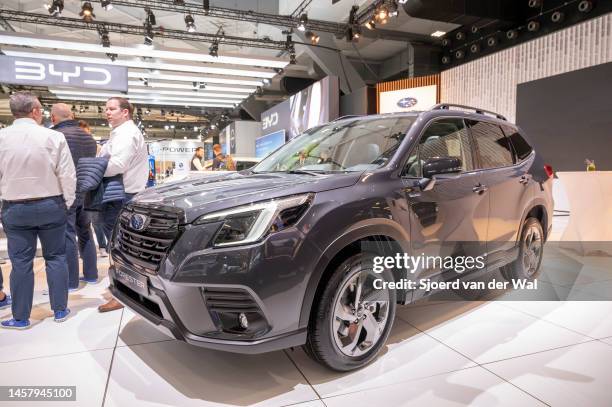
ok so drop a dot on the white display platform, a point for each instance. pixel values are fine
(589, 197)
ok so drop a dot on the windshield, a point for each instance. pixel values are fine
(348, 145)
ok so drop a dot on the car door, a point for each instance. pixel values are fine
(509, 188)
(450, 218)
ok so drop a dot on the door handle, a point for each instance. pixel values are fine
(480, 189)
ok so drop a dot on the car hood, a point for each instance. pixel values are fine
(196, 196)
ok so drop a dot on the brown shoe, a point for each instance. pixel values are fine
(112, 305)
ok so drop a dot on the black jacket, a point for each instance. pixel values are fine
(80, 143)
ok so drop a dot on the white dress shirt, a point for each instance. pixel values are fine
(127, 153)
(198, 164)
(35, 162)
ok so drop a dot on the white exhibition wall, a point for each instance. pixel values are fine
(406, 100)
(491, 82)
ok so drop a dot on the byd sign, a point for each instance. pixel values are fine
(41, 72)
(269, 121)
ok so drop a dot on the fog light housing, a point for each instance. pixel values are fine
(243, 321)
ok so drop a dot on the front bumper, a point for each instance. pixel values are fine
(157, 309)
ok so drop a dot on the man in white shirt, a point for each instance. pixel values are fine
(196, 160)
(127, 154)
(37, 184)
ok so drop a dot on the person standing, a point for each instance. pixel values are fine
(196, 160)
(37, 185)
(127, 155)
(218, 160)
(81, 144)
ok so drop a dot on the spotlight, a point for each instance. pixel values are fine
(202, 85)
(474, 48)
(99, 109)
(314, 38)
(492, 41)
(392, 9)
(259, 91)
(190, 23)
(206, 6)
(111, 56)
(147, 111)
(139, 111)
(87, 12)
(150, 18)
(106, 5)
(535, 3)
(446, 60)
(266, 81)
(55, 8)
(145, 81)
(213, 51)
(195, 86)
(445, 42)
(292, 59)
(460, 35)
(382, 13)
(533, 26)
(371, 24)
(511, 34)
(474, 29)
(148, 36)
(585, 6)
(557, 17)
(279, 71)
(459, 54)
(355, 33)
(302, 22)
(163, 113)
(73, 109)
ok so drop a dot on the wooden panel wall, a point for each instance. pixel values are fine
(491, 82)
(406, 84)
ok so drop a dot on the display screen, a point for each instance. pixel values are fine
(317, 104)
(568, 117)
(264, 145)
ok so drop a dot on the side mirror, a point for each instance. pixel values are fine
(441, 165)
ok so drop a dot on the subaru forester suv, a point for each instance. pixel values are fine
(278, 255)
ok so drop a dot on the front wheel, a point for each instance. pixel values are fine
(352, 319)
(531, 249)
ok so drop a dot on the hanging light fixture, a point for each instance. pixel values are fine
(87, 12)
(190, 23)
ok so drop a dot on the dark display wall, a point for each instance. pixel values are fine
(569, 117)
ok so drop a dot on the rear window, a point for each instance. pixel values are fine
(493, 146)
(521, 146)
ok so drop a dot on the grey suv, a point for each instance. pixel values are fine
(280, 255)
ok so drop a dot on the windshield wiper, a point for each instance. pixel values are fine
(298, 171)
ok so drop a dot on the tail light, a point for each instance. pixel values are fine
(549, 170)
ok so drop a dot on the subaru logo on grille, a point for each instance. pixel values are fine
(138, 221)
(407, 102)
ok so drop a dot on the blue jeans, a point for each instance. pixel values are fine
(79, 225)
(110, 214)
(23, 223)
(98, 227)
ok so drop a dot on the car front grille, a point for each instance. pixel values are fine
(147, 247)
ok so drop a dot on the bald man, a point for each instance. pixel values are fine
(78, 224)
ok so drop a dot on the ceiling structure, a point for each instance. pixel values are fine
(178, 73)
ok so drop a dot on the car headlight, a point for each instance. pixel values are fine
(249, 223)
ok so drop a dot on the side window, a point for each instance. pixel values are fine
(521, 146)
(442, 138)
(493, 146)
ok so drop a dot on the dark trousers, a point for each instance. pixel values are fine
(98, 227)
(23, 223)
(1, 280)
(79, 226)
(110, 214)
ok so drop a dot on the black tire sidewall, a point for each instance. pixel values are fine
(325, 348)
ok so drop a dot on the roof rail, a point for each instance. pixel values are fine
(447, 106)
(348, 116)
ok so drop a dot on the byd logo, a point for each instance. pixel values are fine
(36, 71)
(269, 121)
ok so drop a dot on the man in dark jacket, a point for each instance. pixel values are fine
(81, 144)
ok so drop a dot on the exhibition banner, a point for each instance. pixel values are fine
(176, 153)
(407, 100)
(41, 72)
(317, 104)
(264, 145)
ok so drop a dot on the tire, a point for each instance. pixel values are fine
(335, 339)
(531, 248)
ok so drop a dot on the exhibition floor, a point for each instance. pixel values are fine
(453, 353)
